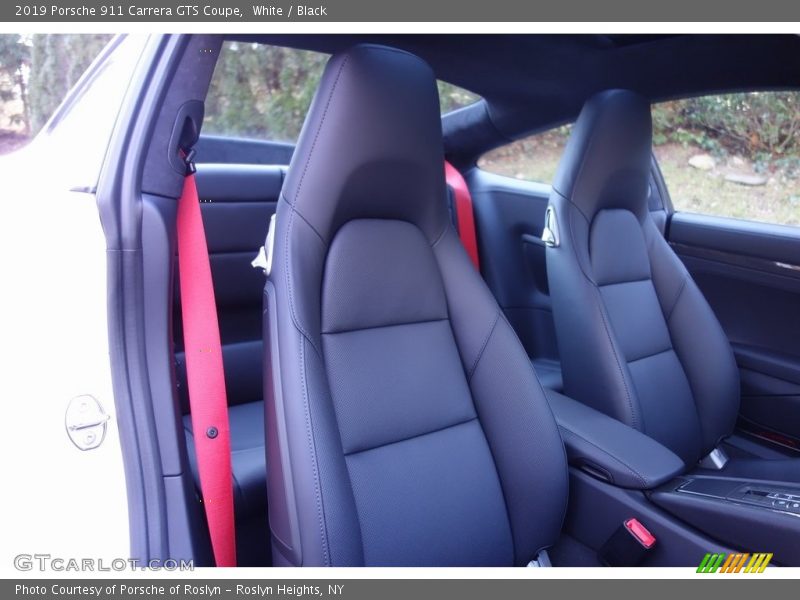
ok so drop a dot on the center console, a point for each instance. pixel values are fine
(618, 473)
(756, 515)
(764, 495)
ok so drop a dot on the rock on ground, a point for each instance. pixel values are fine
(746, 179)
(704, 162)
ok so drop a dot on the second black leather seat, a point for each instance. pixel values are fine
(637, 339)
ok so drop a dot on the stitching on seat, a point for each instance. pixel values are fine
(299, 214)
(652, 241)
(500, 480)
(413, 437)
(289, 287)
(441, 234)
(313, 452)
(370, 327)
(339, 436)
(483, 347)
(295, 319)
(319, 128)
(600, 308)
(677, 297)
(646, 356)
(610, 283)
(630, 469)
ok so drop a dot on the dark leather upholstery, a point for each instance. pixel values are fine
(409, 426)
(637, 339)
(618, 453)
(549, 373)
(237, 202)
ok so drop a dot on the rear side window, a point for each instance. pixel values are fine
(452, 97)
(732, 155)
(534, 158)
(264, 92)
(261, 92)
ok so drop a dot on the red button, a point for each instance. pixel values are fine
(640, 532)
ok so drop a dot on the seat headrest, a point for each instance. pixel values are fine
(371, 145)
(606, 163)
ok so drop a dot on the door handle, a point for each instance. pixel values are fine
(528, 238)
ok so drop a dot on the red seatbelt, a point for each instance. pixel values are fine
(464, 215)
(205, 375)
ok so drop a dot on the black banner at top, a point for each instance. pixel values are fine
(243, 11)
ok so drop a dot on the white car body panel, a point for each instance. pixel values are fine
(57, 499)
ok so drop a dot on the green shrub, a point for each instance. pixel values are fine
(757, 125)
(262, 91)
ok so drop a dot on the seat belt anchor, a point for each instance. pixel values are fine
(628, 546)
(542, 560)
(188, 160)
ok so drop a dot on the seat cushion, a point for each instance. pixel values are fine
(423, 478)
(248, 458)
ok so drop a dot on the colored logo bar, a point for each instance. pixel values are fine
(735, 563)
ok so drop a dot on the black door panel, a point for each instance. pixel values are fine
(770, 394)
(735, 236)
(749, 274)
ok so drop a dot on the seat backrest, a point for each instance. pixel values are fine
(636, 337)
(405, 425)
(237, 201)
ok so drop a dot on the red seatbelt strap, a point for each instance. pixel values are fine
(205, 375)
(464, 215)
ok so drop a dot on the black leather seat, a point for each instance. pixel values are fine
(637, 339)
(405, 425)
(238, 201)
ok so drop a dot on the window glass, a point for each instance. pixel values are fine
(261, 92)
(732, 155)
(88, 115)
(534, 158)
(264, 92)
(452, 97)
